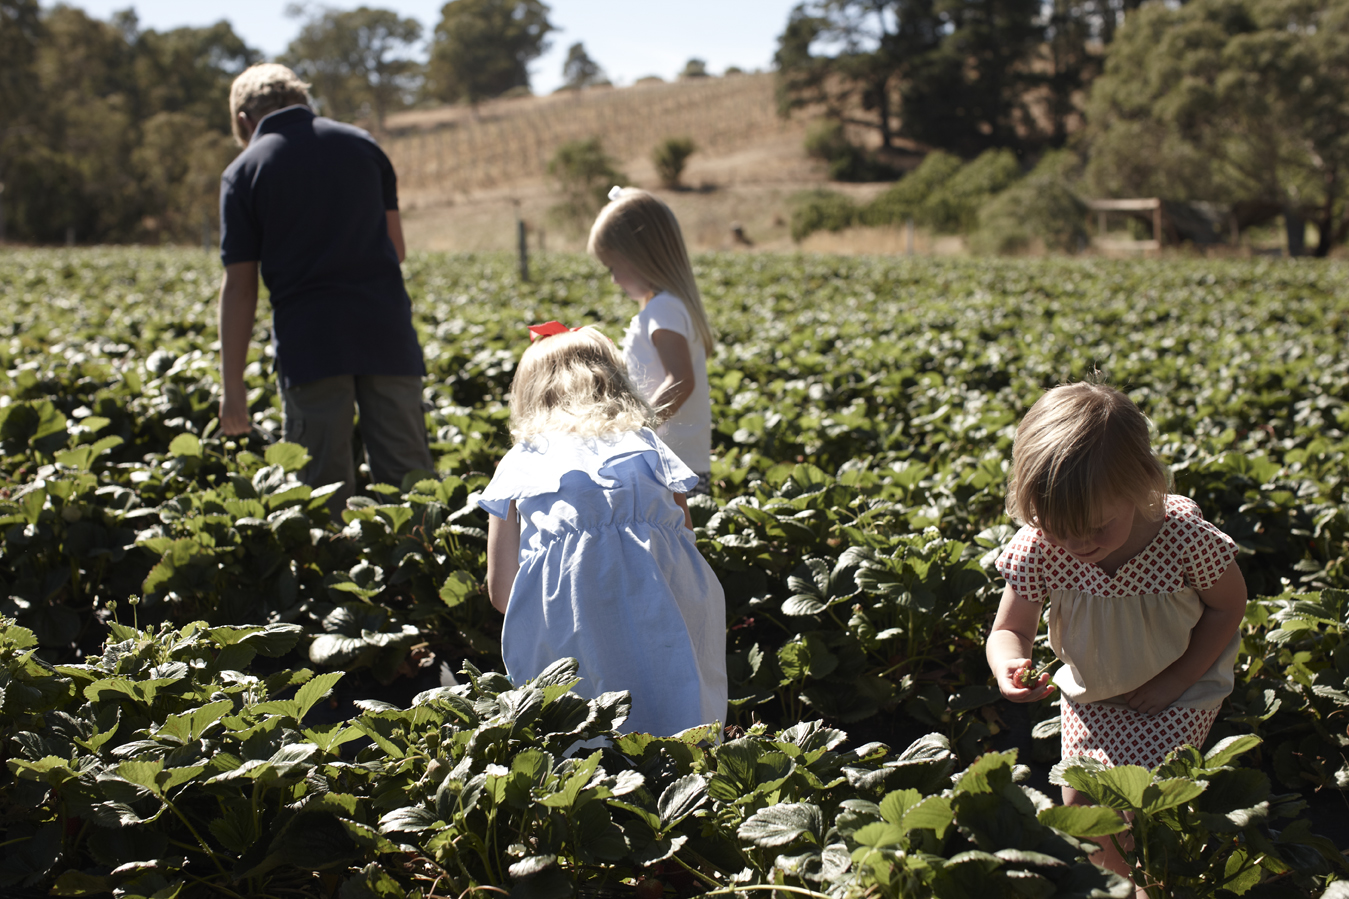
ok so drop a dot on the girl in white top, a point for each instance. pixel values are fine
(1144, 595)
(590, 549)
(667, 343)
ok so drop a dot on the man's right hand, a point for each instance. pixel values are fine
(238, 306)
(234, 419)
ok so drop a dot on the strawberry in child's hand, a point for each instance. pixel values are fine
(1028, 677)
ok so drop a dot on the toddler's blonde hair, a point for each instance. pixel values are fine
(640, 228)
(575, 382)
(263, 88)
(1080, 447)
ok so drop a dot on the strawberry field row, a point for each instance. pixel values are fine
(863, 413)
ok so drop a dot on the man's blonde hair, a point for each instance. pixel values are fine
(1079, 448)
(263, 88)
(639, 228)
(576, 383)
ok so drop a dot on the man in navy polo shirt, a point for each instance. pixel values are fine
(313, 203)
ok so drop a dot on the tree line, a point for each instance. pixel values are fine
(111, 132)
(1239, 103)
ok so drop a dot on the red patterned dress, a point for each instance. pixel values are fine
(1115, 633)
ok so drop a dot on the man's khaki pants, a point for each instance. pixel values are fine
(318, 415)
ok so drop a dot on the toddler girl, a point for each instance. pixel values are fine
(590, 550)
(666, 345)
(1144, 595)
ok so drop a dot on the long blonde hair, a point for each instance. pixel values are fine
(575, 382)
(640, 228)
(1080, 447)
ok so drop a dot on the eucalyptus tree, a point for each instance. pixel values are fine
(949, 73)
(1244, 102)
(360, 61)
(482, 48)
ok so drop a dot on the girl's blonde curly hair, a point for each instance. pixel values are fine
(575, 383)
(1079, 448)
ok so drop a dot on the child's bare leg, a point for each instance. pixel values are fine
(1109, 857)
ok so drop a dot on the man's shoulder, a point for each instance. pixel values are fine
(238, 164)
(342, 131)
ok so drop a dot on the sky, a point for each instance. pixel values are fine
(628, 38)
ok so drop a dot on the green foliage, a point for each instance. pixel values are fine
(482, 48)
(913, 63)
(863, 410)
(112, 133)
(1199, 824)
(827, 141)
(584, 174)
(1042, 207)
(157, 743)
(942, 194)
(908, 197)
(953, 207)
(1235, 101)
(669, 158)
(579, 70)
(1296, 687)
(157, 750)
(357, 61)
(821, 210)
(694, 68)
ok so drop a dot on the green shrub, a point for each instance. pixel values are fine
(1043, 206)
(669, 158)
(944, 195)
(906, 199)
(821, 210)
(584, 174)
(954, 207)
(827, 142)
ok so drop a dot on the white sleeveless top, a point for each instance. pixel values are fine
(689, 431)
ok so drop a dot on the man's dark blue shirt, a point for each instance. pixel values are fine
(307, 199)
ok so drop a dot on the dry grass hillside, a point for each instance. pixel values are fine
(465, 174)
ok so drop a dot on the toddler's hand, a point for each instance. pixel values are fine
(1012, 676)
(1156, 695)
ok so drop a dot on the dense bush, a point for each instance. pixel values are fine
(953, 207)
(584, 175)
(908, 197)
(944, 195)
(828, 142)
(821, 210)
(1041, 207)
(669, 158)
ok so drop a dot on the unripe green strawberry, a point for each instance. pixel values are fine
(1029, 677)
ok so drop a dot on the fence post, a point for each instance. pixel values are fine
(524, 249)
(908, 237)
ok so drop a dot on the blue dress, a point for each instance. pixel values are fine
(609, 575)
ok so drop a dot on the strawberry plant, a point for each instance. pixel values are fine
(863, 411)
(1198, 824)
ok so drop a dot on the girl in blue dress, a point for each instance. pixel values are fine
(590, 549)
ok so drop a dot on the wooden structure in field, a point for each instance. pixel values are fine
(1103, 207)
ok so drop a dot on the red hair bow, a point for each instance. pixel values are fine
(548, 329)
